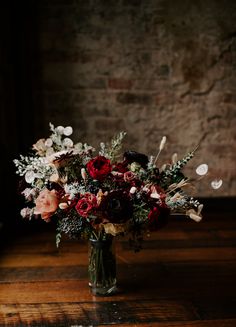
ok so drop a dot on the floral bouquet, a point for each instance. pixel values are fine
(97, 196)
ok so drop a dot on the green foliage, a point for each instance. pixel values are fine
(174, 174)
(112, 151)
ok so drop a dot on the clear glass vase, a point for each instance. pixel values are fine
(102, 267)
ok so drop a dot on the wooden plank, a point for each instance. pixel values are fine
(94, 313)
(145, 312)
(194, 242)
(192, 239)
(177, 244)
(202, 271)
(195, 323)
(185, 276)
(34, 274)
(154, 256)
(175, 235)
(132, 286)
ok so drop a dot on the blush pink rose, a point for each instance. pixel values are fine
(46, 204)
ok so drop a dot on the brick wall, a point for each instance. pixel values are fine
(149, 67)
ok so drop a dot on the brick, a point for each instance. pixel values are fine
(163, 71)
(143, 67)
(229, 98)
(134, 98)
(107, 124)
(120, 84)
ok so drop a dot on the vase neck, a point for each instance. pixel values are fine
(100, 243)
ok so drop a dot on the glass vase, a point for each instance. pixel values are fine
(102, 267)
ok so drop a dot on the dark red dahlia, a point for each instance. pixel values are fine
(117, 207)
(99, 167)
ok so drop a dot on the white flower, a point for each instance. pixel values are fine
(133, 190)
(48, 143)
(217, 183)
(27, 192)
(68, 142)
(60, 130)
(30, 176)
(27, 212)
(202, 169)
(68, 131)
(72, 190)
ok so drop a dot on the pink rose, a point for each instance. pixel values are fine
(46, 204)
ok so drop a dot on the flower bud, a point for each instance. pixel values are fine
(63, 205)
(162, 144)
(133, 190)
(83, 174)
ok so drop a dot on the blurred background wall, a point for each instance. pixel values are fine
(149, 67)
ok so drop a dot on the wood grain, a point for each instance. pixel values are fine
(184, 276)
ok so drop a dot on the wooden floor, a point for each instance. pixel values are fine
(185, 276)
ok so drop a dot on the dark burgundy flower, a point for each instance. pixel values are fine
(129, 176)
(120, 167)
(99, 167)
(117, 207)
(158, 217)
(86, 204)
(133, 156)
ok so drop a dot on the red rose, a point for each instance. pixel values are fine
(99, 167)
(86, 204)
(158, 217)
